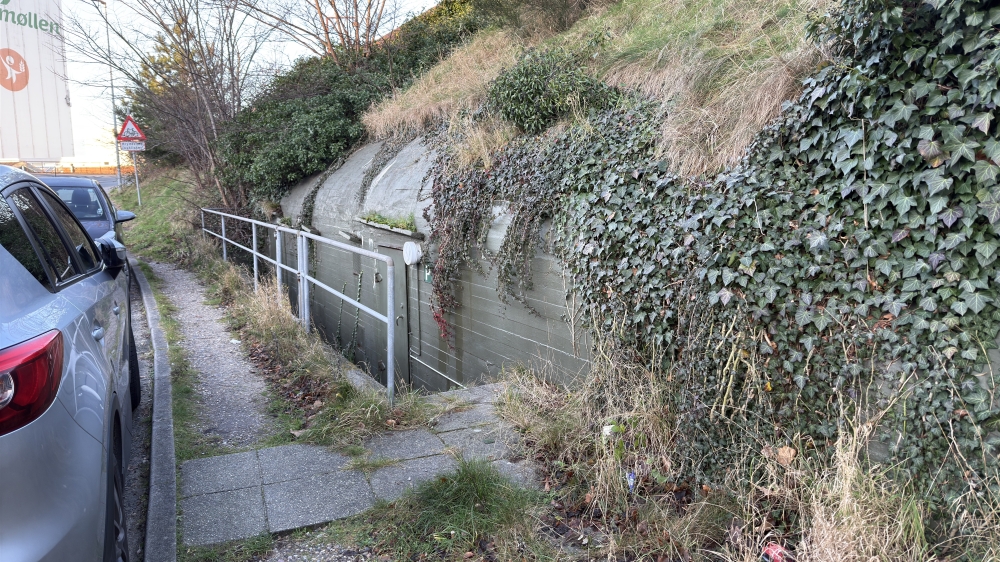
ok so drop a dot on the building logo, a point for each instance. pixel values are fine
(13, 70)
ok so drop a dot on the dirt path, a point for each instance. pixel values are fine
(137, 476)
(229, 386)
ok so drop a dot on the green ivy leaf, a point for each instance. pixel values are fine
(991, 208)
(803, 317)
(936, 181)
(982, 122)
(976, 301)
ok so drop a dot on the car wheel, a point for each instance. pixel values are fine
(115, 526)
(134, 384)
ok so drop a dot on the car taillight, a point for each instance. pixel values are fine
(29, 379)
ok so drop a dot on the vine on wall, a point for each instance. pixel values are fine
(849, 261)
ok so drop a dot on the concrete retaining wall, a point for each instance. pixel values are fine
(487, 334)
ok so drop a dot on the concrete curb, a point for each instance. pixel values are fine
(161, 519)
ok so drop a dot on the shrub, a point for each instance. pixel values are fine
(309, 116)
(543, 87)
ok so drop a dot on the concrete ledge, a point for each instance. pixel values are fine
(161, 518)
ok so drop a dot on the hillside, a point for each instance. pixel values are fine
(721, 69)
(782, 231)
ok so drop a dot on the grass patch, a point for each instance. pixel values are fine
(475, 509)
(165, 225)
(368, 464)
(246, 550)
(189, 441)
(406, 223)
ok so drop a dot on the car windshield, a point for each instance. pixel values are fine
(83, 201)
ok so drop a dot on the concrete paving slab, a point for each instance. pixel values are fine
(477, 415)
(219, 474)
(316, 499)
(405, 445)
(520, 473)
(289, 462)
(222, 517)
(478, 443)
(390, 482)
(485, 394)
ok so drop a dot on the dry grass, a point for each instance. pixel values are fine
(457, 83)
(721, 68)
(837, 509)
(475, 142)
(706, 130)
(613, 422)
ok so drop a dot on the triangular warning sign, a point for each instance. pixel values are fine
(131, 131)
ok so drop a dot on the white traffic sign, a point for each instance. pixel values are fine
(131, 131)
(132, 146)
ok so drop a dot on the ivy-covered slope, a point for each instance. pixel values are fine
(848, 263)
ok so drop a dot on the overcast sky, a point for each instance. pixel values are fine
(92, 137)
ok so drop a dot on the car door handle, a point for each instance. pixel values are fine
(117, 309)
(98, 333)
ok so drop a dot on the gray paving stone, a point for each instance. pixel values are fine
(316, 499)
(390, 482)
(486, 393)
(477, 415)
(485, 442)
(219, 474)
(405, 444)
(521, 473)
(289, 462)
(222, 517)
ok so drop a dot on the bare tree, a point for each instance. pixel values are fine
(344, 30)
(190, 63)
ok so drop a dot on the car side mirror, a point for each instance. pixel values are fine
(113, 253)
(124, 216)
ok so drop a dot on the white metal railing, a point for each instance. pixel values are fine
(303, 279)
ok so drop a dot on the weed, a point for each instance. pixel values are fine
(406, 223)
(475, 509)
(368, 464)
(354, 450)
(240, 551)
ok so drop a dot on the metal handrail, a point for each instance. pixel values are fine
(301, 271)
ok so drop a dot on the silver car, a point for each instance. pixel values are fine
(68, 381)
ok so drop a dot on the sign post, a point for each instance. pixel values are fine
(132, 139)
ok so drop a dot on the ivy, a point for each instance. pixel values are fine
(848, 265)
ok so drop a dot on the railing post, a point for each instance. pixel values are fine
(277, 255)
(390, 333)
(256, 284)
(203, 224)
(223, 238)
(304, 269)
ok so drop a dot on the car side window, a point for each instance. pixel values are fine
(111, 205)
(51, 245)
(16, 242)
(81, 242)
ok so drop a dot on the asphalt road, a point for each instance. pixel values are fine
(137, 477)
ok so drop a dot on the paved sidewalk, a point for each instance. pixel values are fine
(237, 496)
